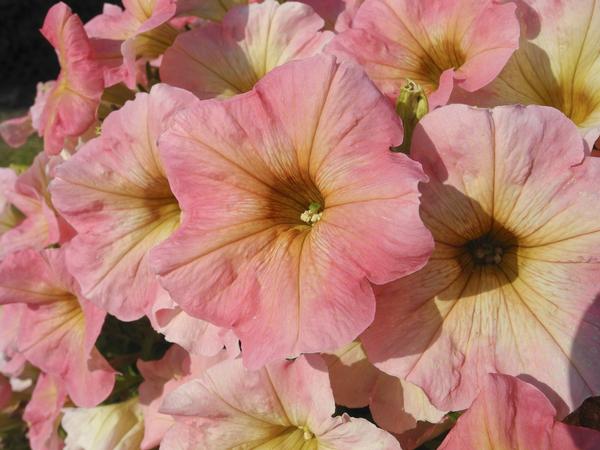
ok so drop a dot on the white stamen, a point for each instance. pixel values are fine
(310, 217)
(308, 435)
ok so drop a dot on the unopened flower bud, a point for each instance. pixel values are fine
(411, 106)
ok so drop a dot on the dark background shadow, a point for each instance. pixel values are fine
(25, 56)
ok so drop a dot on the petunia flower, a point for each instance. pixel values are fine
(118, 426)
(71, 104)
(512, 285)
(29, 219)
(510, 413)
(287, 404)
(237, 52)
(141, 31)
(43, 413)
(58, 328)
(557, 63)
(115, 193)
(162, 377)
(291, 204)
(396, 405)
(436, 43)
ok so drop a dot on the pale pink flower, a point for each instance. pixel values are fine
(162, 377)
(291, 204)
(287, 404)
(436, 43)
(140, 31)
(58, 328)
(557, 63)
(237, 52)
(28, 219)
(70, 106)
(510, 413)
(396, 405)
(43, 413)
(115, 194)
(512, 286)
(118, 426)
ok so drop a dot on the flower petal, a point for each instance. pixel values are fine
(249, 42)
(509, 413)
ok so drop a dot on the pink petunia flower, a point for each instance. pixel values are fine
(510, 413)
(27, 217)
(58, 328)
(140, 32)
(396, 405)
(287, 404)
(70, 106)
(161, 378)
(291, 204)
(557, 63)
(115, 193)
(436, 43)
(512, 286)
(237, 52)
(43, 413)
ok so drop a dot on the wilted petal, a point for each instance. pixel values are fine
(58, 328)
(236, 53)
(468, 41)
(509, 413)
(245, 181)
(512, 285)
(115, 194)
